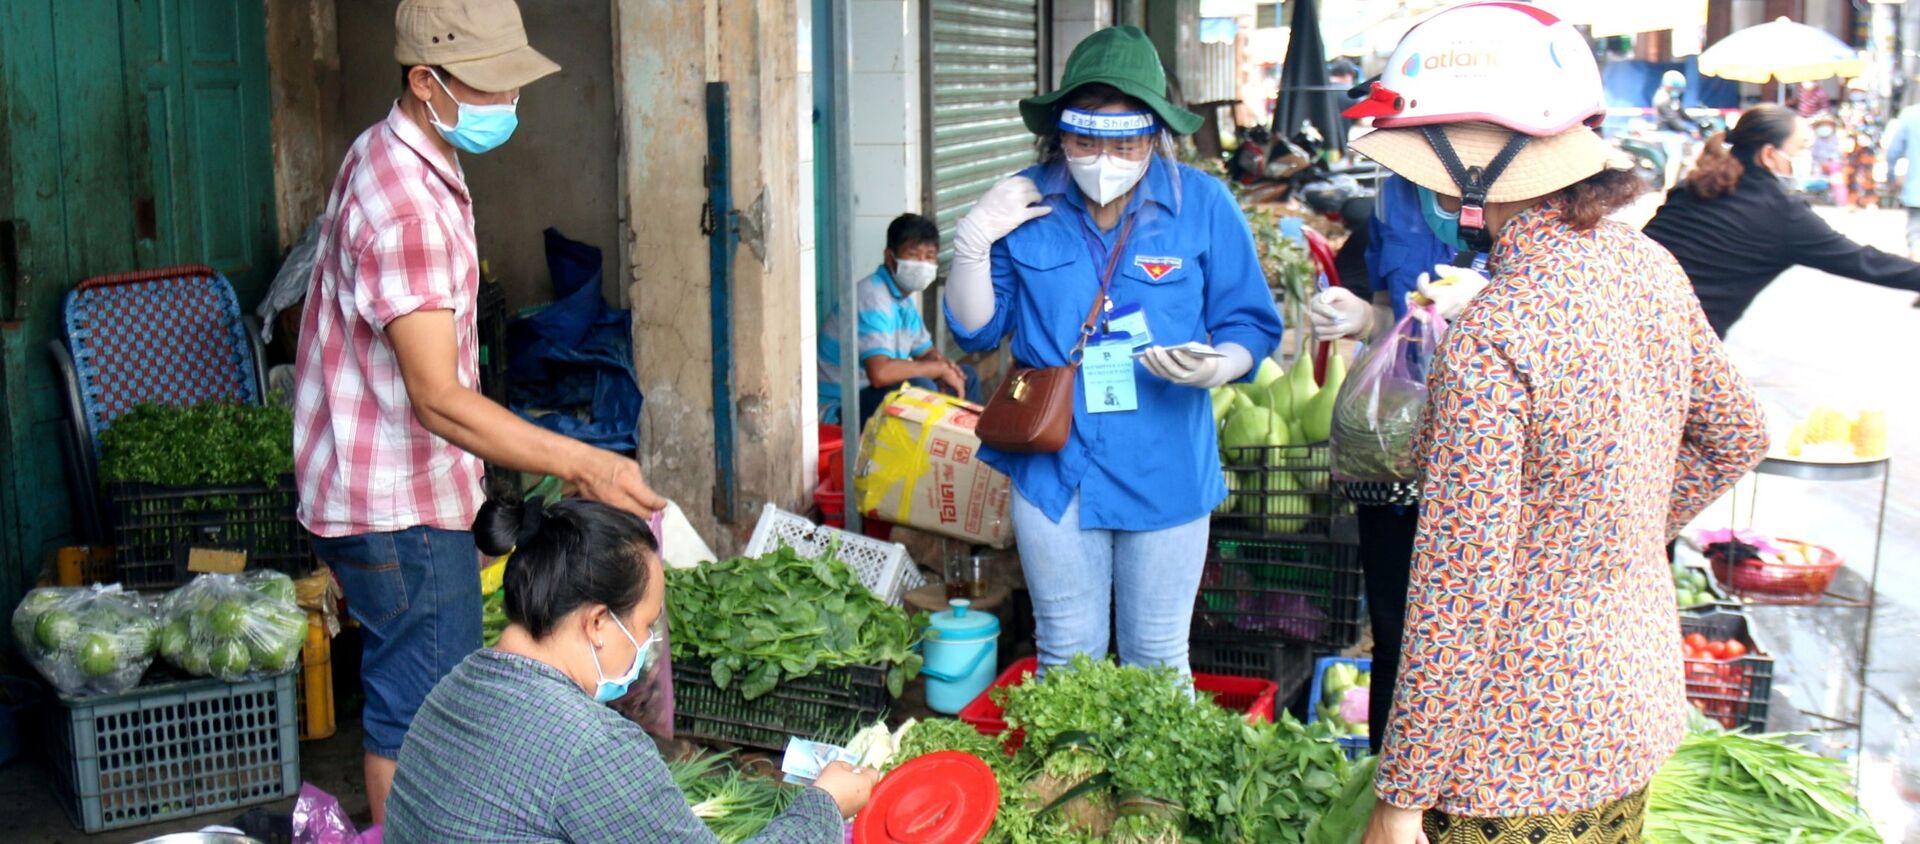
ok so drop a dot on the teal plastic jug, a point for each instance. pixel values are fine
(961, 656)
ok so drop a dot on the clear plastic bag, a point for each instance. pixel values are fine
(1381, 406)
(90, 640)
(235, 628)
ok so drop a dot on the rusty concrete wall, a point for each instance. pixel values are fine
(561, 167)
(667, 50)
(304, 62)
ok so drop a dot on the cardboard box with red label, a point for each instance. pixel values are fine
(920, 467)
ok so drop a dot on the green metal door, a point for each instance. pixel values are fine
(133, 134)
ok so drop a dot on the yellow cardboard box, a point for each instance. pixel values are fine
(919, 466)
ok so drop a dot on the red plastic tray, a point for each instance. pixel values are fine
(1250, 695)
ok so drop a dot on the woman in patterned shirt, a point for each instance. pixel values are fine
(1581, 412)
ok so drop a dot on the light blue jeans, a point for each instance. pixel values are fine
(1144, 580)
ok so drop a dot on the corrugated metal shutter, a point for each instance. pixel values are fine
(1219, 72)
(985, 58)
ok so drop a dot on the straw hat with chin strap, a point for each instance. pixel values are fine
(1490, 102)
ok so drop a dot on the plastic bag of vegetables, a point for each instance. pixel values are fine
(234, 628)
(87, 641)
(1380, 408)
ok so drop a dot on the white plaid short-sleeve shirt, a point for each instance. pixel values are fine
(397, 238)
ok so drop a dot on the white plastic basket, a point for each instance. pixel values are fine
(881, 566)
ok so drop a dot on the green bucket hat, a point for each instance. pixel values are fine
(1120, 56)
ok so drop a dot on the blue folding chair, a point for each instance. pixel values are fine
(167, 336)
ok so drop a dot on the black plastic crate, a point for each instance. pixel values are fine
(1733, 692)
(827, 705)
(154, 527)
(1274, 589)
(1289, 666)
(491, 329)
(1283, 491)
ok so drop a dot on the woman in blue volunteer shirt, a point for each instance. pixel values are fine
(1117, 519)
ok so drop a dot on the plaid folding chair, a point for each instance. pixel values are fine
(173, 335)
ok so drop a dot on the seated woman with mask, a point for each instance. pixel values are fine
(517, 742)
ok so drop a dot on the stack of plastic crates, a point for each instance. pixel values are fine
(1283, 560)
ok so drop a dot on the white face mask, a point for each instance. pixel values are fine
(1104, 178)
(914, 276)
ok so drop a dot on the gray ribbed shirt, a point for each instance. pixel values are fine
(507, 749)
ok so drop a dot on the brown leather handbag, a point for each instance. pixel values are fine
(1032, 412)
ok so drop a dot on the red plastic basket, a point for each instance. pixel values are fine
(1778, 582)
(1250, 695)
(1735, 692)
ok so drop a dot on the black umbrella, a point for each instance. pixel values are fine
(1305, 94)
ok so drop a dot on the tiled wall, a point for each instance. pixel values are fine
(1074, 20)
(885, 100)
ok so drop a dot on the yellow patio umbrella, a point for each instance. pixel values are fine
(1781, 51)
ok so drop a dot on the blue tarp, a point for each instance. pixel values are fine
(1630, 83)
(570, 364)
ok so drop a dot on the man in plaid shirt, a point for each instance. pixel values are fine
(389, 429)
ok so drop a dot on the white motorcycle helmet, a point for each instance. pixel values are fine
(1509, 64)
(1500, 64)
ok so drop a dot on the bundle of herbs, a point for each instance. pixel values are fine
(1131, 755)
(1733, 788)
(759, 621)
(733, 805)
(209, 444)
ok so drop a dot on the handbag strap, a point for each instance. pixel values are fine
(1100, 301)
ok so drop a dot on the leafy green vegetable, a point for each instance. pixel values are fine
(1733, 788)
(762, 620)
(210, 444)
(734, 806)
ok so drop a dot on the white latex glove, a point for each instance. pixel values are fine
(1337, 313)
(1450, 288)
(1205, 372)
(970, 280)
(998, 212)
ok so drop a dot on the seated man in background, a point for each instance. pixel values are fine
(891, 339)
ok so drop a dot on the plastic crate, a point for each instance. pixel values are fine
(1288, 666)
(828, 705)
(490, 324)
(881, 566)
(1284, 491)
(1355, 746)
(1241, 694)
(1734, 692)
(173, 749)
(154, 526)
(1275, 589)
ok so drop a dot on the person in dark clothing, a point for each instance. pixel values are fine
(1735, 228)
(1350, 261)
(1669, 107)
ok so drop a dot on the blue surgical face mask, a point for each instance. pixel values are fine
(1444, 224)
(611, 690)
(481, 127)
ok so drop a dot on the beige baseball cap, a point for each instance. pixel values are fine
(482, 42)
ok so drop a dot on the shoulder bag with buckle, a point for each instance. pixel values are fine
(1032, 412)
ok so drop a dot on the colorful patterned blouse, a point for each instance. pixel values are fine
(1582, 412)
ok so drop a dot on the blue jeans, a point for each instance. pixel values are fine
(1146, 579)
(416, 594)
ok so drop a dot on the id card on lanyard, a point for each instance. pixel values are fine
(1107, 373)
(1130, 320)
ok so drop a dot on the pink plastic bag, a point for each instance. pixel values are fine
(319, 819)
(649, 702)
(1380, 407)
